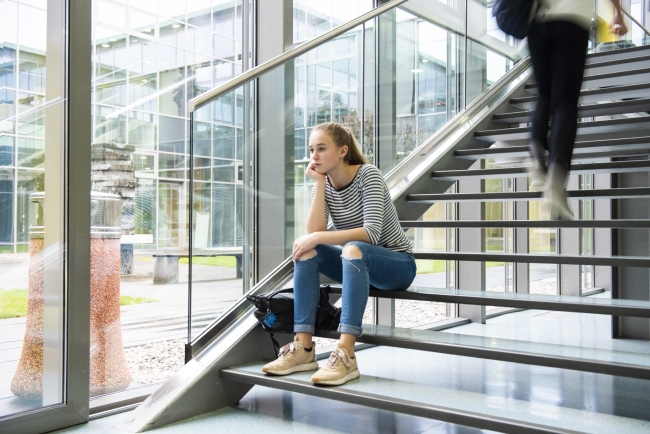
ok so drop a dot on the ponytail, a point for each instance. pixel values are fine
(342, 136)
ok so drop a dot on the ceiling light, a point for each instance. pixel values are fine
(425, 60)
(325, 85)
(143, 158)
(113, 40)
(175, 26)
(147, 30)
(145, 81)
(106, 46)
(415, 71)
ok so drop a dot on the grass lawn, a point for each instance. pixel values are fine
(13, 302)
(219, 261)
(427, 266)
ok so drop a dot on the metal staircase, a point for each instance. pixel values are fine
(628, 132)
(230, 354)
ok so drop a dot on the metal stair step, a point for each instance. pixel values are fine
(622, 364)
(449, 404)
(519, 172)
(639, 126)
(605, 261)
(631, 76)
(606, 224)
(604, 66)
(610, 193)
(583, 150)
(562, 303)
(606, 109)
(592, 96)
(621, 55)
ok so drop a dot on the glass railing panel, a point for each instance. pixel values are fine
(148, 60)
(421, 76)
(393, 81)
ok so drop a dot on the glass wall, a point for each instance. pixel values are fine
(32, 197)
(149, 58)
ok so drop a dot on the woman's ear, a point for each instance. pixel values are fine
(343, 151)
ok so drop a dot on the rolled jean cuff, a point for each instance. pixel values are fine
(304, 328)
(350, 329)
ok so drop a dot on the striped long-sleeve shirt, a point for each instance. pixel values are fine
(366, 203)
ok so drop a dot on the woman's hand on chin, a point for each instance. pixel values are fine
(303, 245)
(311, 172)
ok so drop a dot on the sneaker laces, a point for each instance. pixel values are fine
(337, 355)
(288, 348)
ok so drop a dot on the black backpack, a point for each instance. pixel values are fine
(274, 311)
(516, 17)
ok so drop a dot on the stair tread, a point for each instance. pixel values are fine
(639, 73)
(566, 303)
(587, 95)
(609, 261)
(609, 108)
(631, 144)
(614, 166)
(581, 125)
(611, 193)
(622, 223)
(447, 337)
(380, 391)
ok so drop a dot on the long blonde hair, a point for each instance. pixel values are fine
(343, 137)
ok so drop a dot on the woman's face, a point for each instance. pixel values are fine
(325, 155)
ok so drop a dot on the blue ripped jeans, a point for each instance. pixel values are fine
(380, 267)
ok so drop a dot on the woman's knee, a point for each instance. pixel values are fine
(350, 251)
(308, 255)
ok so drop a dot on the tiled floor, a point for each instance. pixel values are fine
(561, 392)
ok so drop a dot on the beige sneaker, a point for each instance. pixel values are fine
(293, 358)
(340, 369)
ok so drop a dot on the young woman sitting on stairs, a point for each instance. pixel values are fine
(367, 248)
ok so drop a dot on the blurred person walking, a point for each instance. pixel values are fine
(558, 50)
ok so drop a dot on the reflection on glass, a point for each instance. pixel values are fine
(31, 307)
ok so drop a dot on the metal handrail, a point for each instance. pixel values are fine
(234, 83)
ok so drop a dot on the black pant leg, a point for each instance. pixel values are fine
(539, 45)
(567, 63)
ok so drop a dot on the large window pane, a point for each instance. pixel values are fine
(32, 162)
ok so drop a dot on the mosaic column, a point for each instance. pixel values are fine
(109, 371)
(27, 382)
